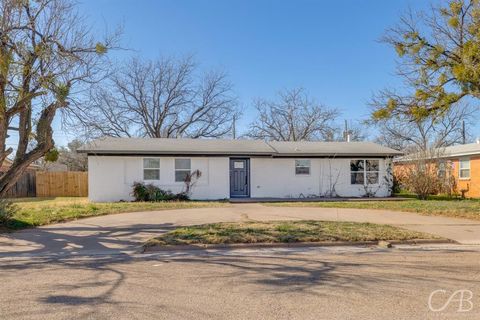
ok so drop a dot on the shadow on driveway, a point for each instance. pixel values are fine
(82, 239)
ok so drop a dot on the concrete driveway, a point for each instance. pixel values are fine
(126, 232)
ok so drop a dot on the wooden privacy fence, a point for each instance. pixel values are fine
(62, 184)
(24, 187)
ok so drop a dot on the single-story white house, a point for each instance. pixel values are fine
(239, 168)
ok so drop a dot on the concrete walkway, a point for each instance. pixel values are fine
(126, 232)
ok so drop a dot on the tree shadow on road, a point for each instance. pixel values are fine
(92, 282)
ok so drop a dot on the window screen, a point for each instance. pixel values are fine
(151, 169)
(182, 169)
(464, 168)
(364, 171)
(302, 167)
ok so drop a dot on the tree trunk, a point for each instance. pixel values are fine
(4, 67)
(44, 144)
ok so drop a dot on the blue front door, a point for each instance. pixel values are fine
(239, 178)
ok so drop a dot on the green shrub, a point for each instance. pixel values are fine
(152, 193)
(139, 192)
(182, 196)
(7, 211)
(157, 194)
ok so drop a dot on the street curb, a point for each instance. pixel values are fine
(300, 200)
(156, 248)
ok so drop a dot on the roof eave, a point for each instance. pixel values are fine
(333, 155)
(167, 153)
(198, 153)
(445, 156)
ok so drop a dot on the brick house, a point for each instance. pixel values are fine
(465, 162)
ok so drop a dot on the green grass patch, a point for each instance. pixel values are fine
(457, 208)
(446, 197)
(34, 212)
(284, 232)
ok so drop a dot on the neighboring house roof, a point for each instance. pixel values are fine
(461, 150)
(7, 163)
(159, 146)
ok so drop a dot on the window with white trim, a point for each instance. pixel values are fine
(364, 171)
(183, 168)
(464, 169)
(151, 169)
(302, 167)
(442, 169)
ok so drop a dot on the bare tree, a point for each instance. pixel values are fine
(71, 158)
(190, 181)
(47, 53)
(164, 98)
(357, 133)
(353, 131)
(404, 132)
(426, 172)
(293, 117)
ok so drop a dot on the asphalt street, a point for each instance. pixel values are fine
(300, 283)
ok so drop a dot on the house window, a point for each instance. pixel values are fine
(372, 171)
(364, 171)
(182, 169)
(238, 164)
(464, 169)
(302, 167)
(151, 169)
(357, 171)
(442, 169)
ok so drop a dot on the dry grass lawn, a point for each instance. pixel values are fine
(456, 208)
(42, 211)
(284, 232)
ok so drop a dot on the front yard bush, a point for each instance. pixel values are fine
(7, 211)
(426, 173)
(152, 193)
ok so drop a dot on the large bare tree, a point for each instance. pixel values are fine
(163, 98)
(406, 132)
(294, 116)
(46, 54)
(71, 158)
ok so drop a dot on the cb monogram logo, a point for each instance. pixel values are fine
(461, 298)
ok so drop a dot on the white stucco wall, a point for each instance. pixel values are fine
(110, 178)
(276, 178)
